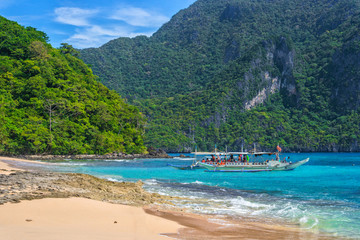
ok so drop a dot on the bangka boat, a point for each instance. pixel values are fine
(249, 162)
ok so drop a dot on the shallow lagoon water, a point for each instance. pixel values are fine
(322, 196)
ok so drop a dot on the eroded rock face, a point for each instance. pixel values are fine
(284, 60)
(278, 55)
(36, 185)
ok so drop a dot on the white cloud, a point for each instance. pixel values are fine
(74, 16)
(139, 17)
(95, 36)
(94, 28)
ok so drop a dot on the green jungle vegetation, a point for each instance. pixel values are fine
(239, 72)
(50, 101)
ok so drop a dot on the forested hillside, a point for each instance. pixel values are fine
(238, 72)
(50, 101)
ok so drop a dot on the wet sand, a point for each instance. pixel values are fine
(53, 215)
(6, 168)
(200, 227)
(10, 164)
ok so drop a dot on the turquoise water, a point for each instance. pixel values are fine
(322, 196)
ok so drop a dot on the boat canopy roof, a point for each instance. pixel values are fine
(234, 153)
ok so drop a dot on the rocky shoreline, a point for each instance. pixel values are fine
(25, 185)
(154, 153)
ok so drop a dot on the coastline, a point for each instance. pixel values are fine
(22, 186)
(8, 164)
(154, 153)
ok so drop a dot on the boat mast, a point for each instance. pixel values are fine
(195, 156)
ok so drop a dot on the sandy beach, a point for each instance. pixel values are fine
(70, 218)
(81, 219)
(80, 206)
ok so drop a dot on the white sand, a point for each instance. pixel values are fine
(80, 219)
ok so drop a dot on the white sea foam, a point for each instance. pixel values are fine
(113, 179)
(151, 182)
(184, 159)
(237, 206)
(198, 182)
(240, 201)
(303, 220)
(309, 222)
(289, 210)
(71, 164)
(117, 160)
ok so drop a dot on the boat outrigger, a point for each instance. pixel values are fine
(247, 162)
(185, 167)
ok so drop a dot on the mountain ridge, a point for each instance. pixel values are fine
(288, 69)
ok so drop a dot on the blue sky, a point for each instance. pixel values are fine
(91, 23)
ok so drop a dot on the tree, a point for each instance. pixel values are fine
(68, 49)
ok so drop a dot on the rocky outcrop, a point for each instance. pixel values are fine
(279, 56)
(36, 185)
(284, 60)
(264, 93)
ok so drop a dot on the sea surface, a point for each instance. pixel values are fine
(321, 196)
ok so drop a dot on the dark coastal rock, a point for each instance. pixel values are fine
(157, 153)
(153, 153)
